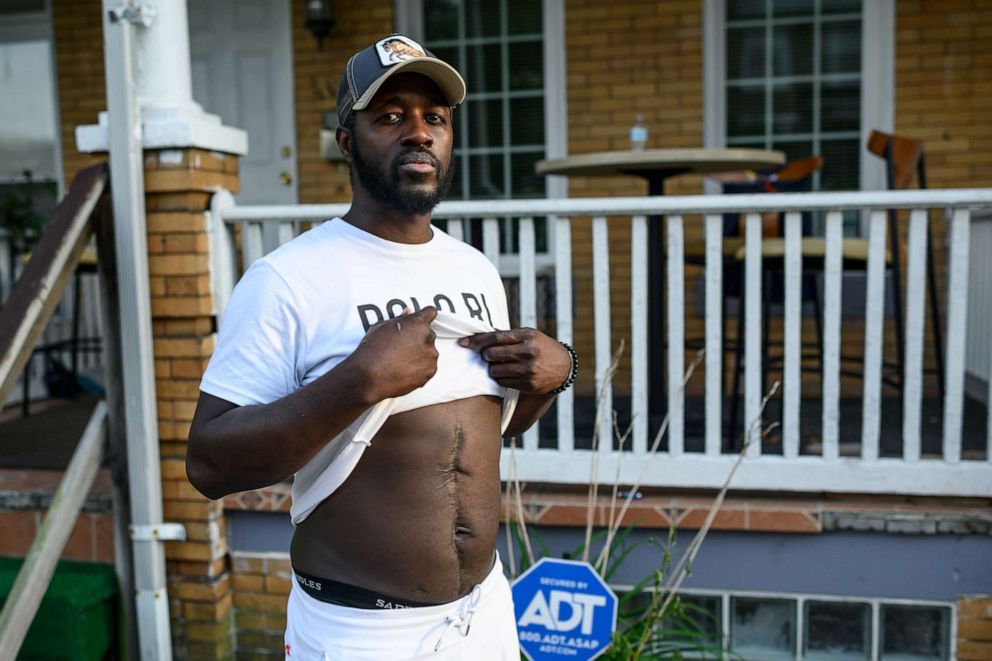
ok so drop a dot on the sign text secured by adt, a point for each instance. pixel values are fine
(564, 610)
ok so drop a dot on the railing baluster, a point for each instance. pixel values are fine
(752, 333)
(6, 274)
(675, 290)
(490, 240)
(832, 279)
(601, 321)
(285, 233)
(915, 299)
(455, 229)
(223, 251)
(528, 299)
(639, 333)
(528, 275)
(563, 308)
(957, 323)
(792, 340)
(874, 335)
(251, 243)
(714, 334)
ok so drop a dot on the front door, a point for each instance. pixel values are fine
(243, 71)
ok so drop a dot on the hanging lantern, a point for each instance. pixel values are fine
(319, 19)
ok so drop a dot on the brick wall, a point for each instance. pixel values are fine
(261, 584)
(975, 628)
(943, 85)
(178, 185)
(316, 74)
(26, 497)
(78, 32)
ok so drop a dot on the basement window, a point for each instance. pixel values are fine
(773, 626)
(914, 633)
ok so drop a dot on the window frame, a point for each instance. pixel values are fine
(877, 82)
(409, 20)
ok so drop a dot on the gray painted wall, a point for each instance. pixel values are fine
(935, 567)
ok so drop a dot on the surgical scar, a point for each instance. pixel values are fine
(454, 472)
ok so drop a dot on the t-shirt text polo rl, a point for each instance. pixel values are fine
(302, 309)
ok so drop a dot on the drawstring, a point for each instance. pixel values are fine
(463, 619)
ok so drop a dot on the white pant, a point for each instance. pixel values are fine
(479, 627)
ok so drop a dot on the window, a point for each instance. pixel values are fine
(791, 75)
(763, 628)
(914, 632)
(29, 147)
(837, 630)
(498, 44)
(806, 627)
(503, 128)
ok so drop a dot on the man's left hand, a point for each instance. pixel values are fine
(522, 358)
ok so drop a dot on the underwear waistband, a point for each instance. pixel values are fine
(351, 596)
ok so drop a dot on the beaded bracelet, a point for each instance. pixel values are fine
(573, 370)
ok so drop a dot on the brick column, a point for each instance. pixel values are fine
(178, 186)
(974, 627)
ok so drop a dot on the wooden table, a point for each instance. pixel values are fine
(657, 165)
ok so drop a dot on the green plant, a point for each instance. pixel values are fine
(18, 217)
(654, 621)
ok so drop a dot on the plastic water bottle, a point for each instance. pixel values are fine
(638, 133)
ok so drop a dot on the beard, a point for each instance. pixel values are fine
(386, 187)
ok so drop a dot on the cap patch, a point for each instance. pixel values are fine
(397, 48)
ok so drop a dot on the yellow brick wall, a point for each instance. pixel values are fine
(316, 74)
(78, 32)
(943, 86)
(261, 584)
(974, 628)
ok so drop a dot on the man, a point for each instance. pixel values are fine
(362, 358)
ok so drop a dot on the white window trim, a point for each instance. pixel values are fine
(877, 81)
(30, 27)
(409, 20)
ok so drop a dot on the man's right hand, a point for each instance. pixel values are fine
(230, 447)
(399, 353)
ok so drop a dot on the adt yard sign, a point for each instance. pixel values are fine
(564, 610)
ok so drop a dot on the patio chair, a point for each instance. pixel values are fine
(813, 250)
(904, 156)
(795, 176)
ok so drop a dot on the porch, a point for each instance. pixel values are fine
(824, 432)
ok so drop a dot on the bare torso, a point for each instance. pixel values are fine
(418, 517)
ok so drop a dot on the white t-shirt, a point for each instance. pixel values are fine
(302, 309)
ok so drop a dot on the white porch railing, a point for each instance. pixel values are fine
(913, 472)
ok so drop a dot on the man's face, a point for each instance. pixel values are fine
(401, 145)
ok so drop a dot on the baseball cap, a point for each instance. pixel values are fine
(367, 70)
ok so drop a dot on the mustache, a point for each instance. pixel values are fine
(419, 156)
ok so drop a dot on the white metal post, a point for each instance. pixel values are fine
(141, 425)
